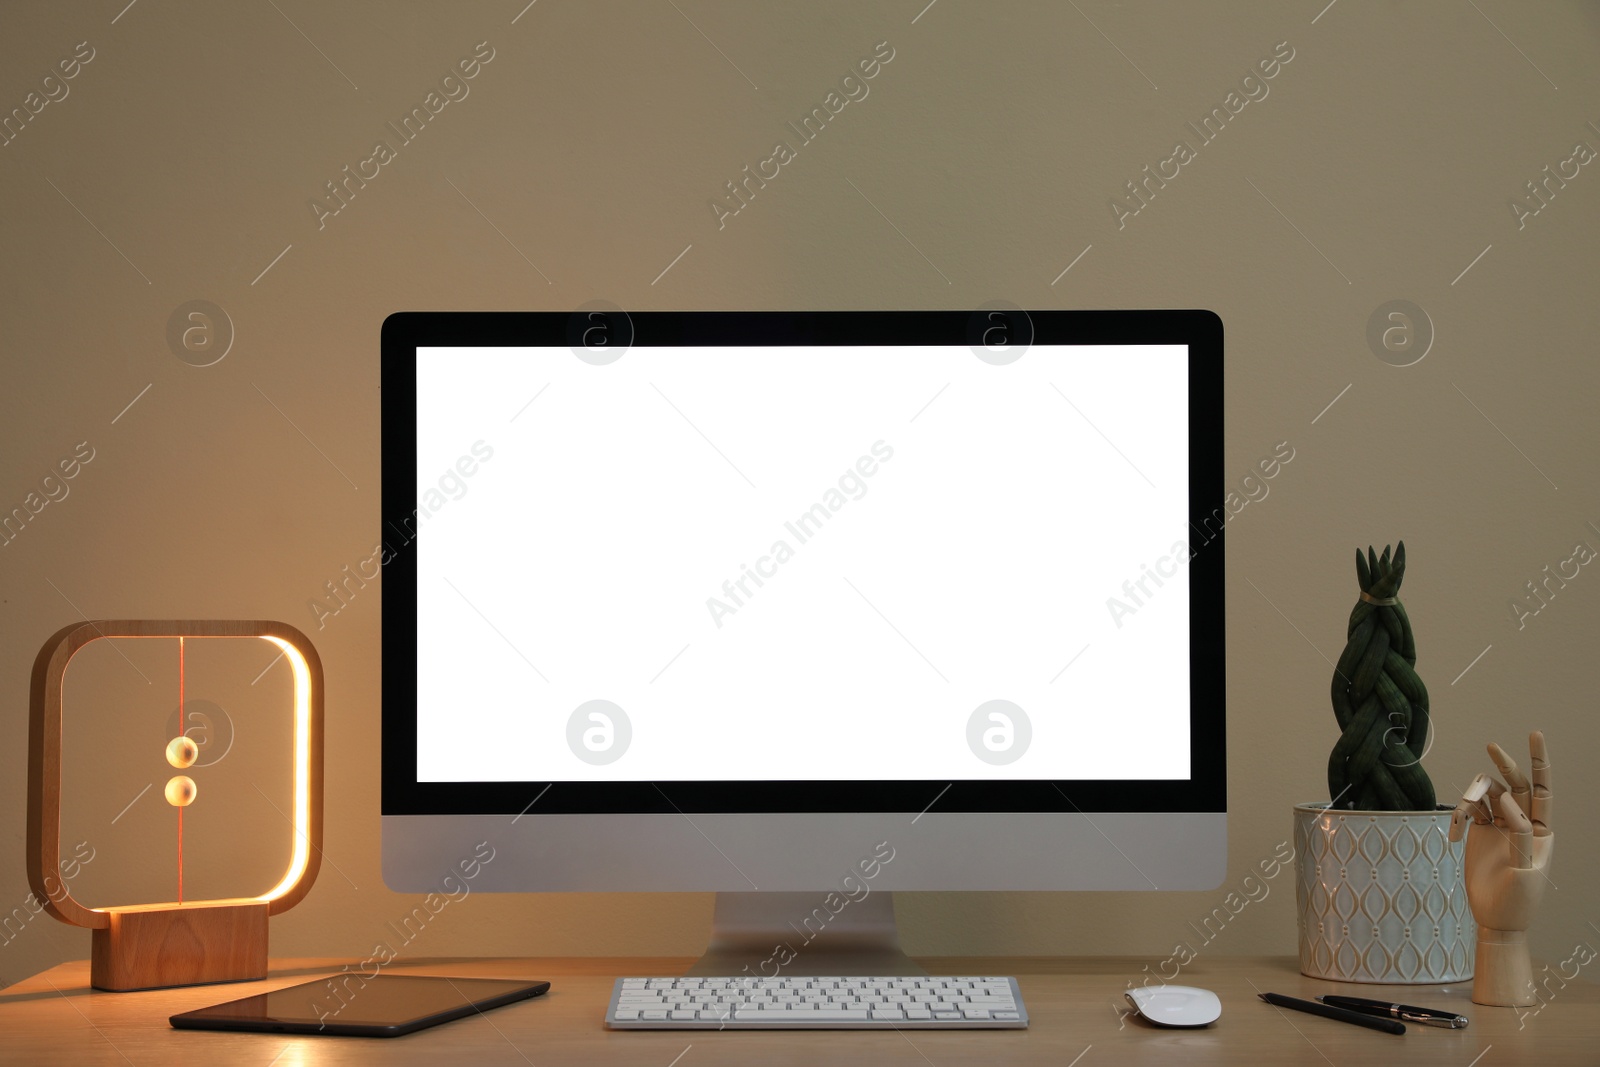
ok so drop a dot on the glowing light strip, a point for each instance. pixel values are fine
(302, 770)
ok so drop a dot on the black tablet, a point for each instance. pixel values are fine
(350, 1003)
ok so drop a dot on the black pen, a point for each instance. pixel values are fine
(1311, 1007)
(1425, 1016)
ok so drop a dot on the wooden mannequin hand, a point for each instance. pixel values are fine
(1507, 862)
(1508, 855)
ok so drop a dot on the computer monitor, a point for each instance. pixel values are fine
(803, 608)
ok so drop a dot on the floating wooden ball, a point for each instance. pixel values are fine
(182, 751)
(180, 790)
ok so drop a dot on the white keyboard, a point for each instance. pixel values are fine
(854, 1003)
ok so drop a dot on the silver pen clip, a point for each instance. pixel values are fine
(1451, 1022)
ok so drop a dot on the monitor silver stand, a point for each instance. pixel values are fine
(773, 935)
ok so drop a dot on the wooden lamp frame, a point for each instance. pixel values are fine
(147, 946)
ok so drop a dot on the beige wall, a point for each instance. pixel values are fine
(1379, 167)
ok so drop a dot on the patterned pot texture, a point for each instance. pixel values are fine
(1382, 896)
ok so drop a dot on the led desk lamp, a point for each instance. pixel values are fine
(176, 943)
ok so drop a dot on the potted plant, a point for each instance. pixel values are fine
(1379, 885)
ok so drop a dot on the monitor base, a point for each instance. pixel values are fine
(773, 935)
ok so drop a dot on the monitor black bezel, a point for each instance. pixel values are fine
(1205, 791)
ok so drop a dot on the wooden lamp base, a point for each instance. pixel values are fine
(151, 946)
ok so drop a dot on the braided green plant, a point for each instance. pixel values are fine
(1381, 704)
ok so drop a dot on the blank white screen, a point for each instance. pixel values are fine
(579, 559)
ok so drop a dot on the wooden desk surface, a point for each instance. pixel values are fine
(54, 1018)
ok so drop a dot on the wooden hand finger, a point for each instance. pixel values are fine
(1478, 796)
(1515, 779)
(1459, 819)
(1542, 797)
(1519, 832)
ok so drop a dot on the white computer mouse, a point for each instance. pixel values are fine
(1175, 1005)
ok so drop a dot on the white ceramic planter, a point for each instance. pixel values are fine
(1382, 896)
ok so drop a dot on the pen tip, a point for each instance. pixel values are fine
(1263, 996)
